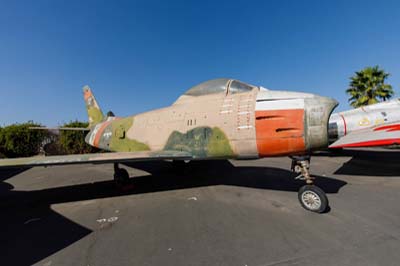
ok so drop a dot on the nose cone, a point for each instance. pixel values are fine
(321, 104)
(328, 101)
(317, 112)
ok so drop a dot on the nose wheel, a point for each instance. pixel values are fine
(311, 197)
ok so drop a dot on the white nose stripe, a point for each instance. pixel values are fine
(288, 104)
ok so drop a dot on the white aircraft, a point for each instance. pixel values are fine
(368, 126)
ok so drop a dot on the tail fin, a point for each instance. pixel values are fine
(94, 112)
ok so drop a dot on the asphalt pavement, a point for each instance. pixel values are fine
(207, 213)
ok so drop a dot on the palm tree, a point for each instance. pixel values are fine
(368, 87)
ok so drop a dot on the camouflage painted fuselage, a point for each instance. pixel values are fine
(230, 120)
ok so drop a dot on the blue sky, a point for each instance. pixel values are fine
(141, 55)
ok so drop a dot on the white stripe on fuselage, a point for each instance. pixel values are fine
(93, 135)
(284, 104)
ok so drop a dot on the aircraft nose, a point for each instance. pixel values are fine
(328, 100)
(317, 112)
(325, 102)
(291, 122)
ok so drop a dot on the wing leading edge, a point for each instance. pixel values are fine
(99, 158)
(378, 136)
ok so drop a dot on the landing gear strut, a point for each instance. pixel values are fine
(121, 176)
(311, 197)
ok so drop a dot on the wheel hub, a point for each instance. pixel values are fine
(311, 200)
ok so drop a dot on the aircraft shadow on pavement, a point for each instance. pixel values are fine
(31, 231)
(6, 174)
(221, 172)
(368, 162)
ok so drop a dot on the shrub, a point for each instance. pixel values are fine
(17, 140)
(73, 142)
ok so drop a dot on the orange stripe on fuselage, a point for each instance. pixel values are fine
(280, 132)
(100, 133)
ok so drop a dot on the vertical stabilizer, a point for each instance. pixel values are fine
(94, 112)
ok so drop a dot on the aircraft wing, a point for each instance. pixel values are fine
(99, 158)
(383, 135)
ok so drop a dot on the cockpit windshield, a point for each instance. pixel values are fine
(238, 87)
(208, 87)
(218, 86)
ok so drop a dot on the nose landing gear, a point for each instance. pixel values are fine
(311, 197)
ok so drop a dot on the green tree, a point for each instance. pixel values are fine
(18, 140)
(368, 87)
(1, 144)
(73, 142)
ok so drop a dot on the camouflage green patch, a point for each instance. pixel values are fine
(201, 142)
(119, 140)
(218, 145)
(95, 115)
(193, 141)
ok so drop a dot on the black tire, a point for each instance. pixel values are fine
(121, 177)
(180, 166)
(314, 199)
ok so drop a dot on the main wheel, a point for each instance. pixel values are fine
(178, 163)
(180, 166)
(312, 198)
(121, 177)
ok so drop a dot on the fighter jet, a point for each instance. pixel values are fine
(373, 125)
(217, 119)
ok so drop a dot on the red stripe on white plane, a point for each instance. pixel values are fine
(388, 128)
(370, 143)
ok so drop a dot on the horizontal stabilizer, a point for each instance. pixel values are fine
(62, 128)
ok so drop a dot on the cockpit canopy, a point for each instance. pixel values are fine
(219, 85)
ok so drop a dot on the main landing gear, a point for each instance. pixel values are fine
(311, 197)
(121, 176)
